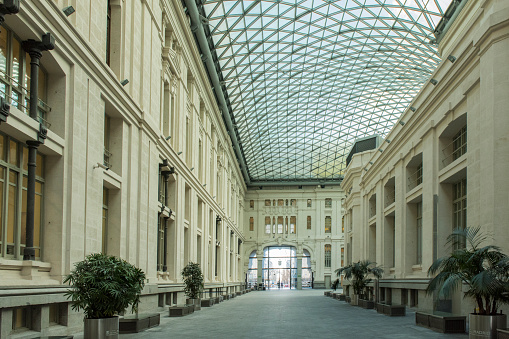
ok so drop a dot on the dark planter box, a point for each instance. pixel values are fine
(181, 310)
(391, 310)
(348, 299)
(368, 304)
(341, 297)
(238, 293)
(327, 293)
(226, 296)
(207, 302)
(137, 323)
(442, 322)
(502, 333)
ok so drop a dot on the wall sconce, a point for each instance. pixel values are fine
(204, 185)
(371, 162)
(99, 165)
(434, 82)
(451, 58)
(214, 197)
(380, 150)
(413, 109)
(192, 168)
(365, 169)
(124, 82)
(68, 10)
(179, 153)
(402, 123)
(168, 137)
(388, 141)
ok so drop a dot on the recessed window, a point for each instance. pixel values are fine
(309, 222)
(327, 255)
(105, 221)
(293, 202)
(328, 223)
(267, 225)
(21, 319)
(280, 225)
(280, 202)
(328, 203)
(309, 202)
(267, 202)
(293, 223)
(419, 233)
(251, 224)
(459, 143)
(251, 204)
(460, 206)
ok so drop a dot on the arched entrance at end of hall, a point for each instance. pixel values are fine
(281, 268)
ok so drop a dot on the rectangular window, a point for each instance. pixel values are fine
(107, 150)
(418, 175)
(280, 202)
(460, 206)
(309, 222)
(343, 224)
(267, 202)
(15, 74)
(21, 319)
(309, 202)
(13, 198)
(279, 225)
(293, 223)
(251, 224)
(161, 242)
(328, 203)
(105, 221)
(54, 314)
(419, 233)
(267, 225)
(251, 204)
(328, 223)
(459, 143)
(293, 202)
(327, 255)
(342, 256)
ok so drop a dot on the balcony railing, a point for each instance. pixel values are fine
(107, 158)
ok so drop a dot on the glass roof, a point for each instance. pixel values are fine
(304, 79)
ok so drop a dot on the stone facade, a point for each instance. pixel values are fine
(126, 166)
(405, 198)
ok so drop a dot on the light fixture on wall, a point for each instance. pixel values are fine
(68, 10)
(371, 162)
(214, 197)
(365, 169)
(413, 109)
(168, 137)
(388, 141)
(124, 82)
(179, 153)
(192, 168)
(380, 150)
(402, 123)
(99, 165)
(434, 82)
(204, 185)
(451, 58)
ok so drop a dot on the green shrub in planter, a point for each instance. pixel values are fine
(103, 286)
(193, 280)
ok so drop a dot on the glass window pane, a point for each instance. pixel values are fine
(2, 148)
(13, 153)
(13, 198)
(3, 52)
(16, 62)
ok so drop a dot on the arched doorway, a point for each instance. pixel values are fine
(280, 268)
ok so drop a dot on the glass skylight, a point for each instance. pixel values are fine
(306, 78)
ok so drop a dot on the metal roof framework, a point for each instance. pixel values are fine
(303, 79)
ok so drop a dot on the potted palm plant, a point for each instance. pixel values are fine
(358, 274)
(193, 284)
(104, 286)
(483, 269)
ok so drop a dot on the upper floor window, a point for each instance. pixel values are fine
(327, 255)
(293, 203)
(15, 72)
(328, 223)
(459, 143)
(309, 202)
(251, 224)
(251, 204)
(309, 222)
(280, 202)
(267, 202)
(414, 172)
(328, 203)
(107, 150)
(267, 225)
(293, 222)
(418, 222)
(13, 198)
(460, 206)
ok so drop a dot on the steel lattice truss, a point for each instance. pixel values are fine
(306, 78)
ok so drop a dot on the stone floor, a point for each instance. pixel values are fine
(288, 314)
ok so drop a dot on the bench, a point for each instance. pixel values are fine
(503, 333)
(138, 322)
(391, 310)
(207, 302)
(443, 322)
(181, 310)
(368, 304)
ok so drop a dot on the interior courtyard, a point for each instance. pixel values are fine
(271, 142)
